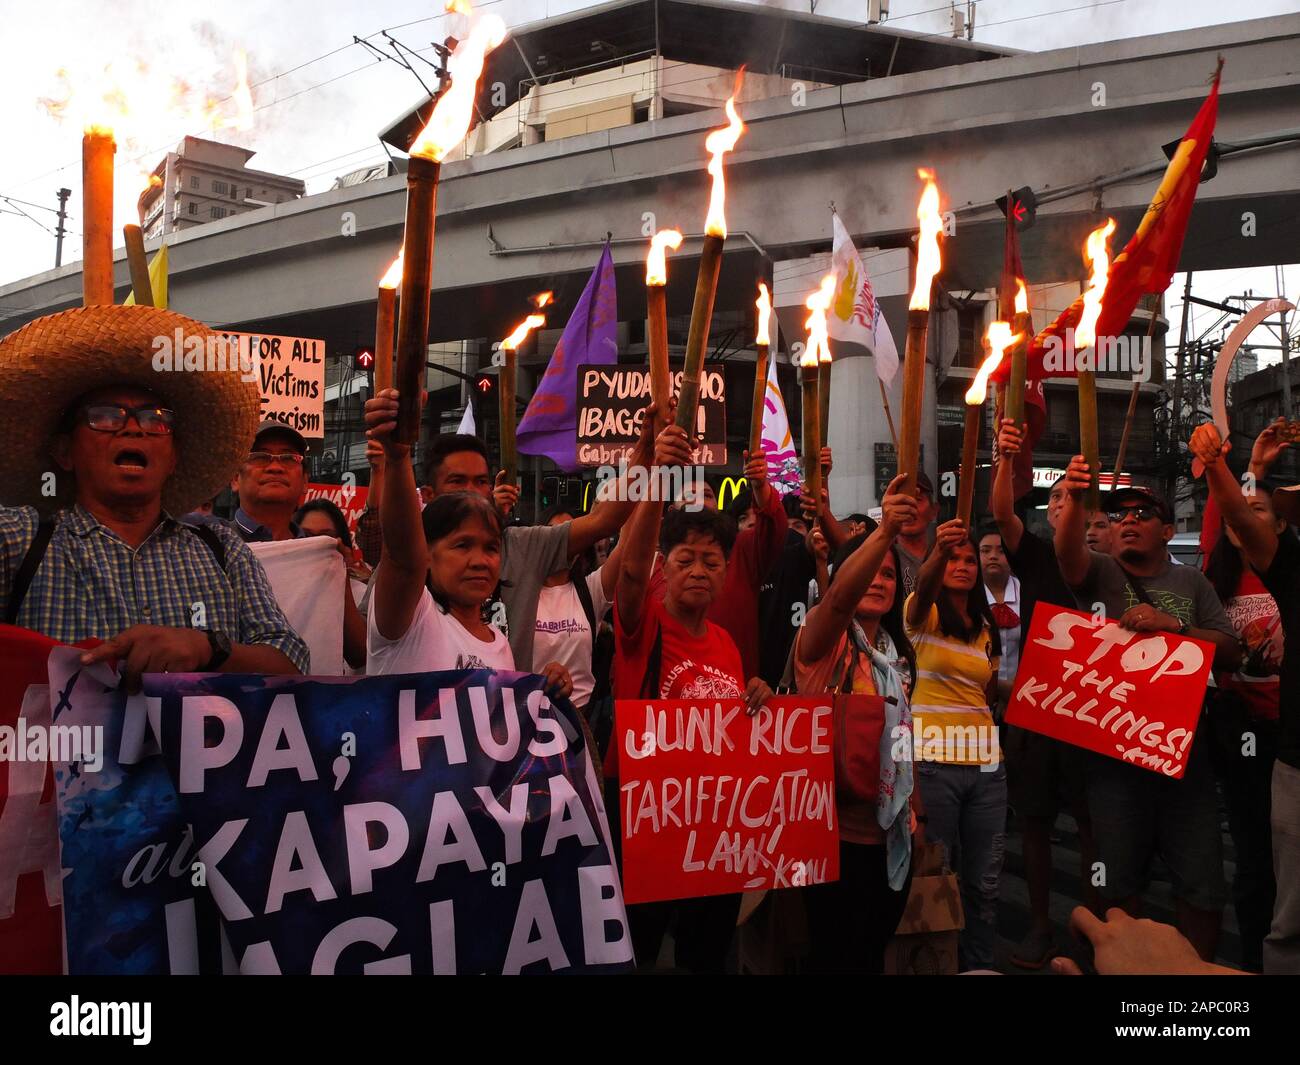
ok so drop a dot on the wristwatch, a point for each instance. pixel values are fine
(220, 644)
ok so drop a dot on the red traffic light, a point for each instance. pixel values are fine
(365, 358)
(484, 384)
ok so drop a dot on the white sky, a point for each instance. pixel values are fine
(317, 117)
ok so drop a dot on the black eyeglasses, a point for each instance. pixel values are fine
(284, 458)
(1139, 514)
(112, 418)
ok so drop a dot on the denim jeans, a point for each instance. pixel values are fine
(966, 811)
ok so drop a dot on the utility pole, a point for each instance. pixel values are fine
(1175, 421)
(58, 233)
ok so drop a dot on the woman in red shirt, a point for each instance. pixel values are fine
(1245, 703)
(668, 649)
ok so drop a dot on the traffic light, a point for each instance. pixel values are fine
(365, 358)
(1022, 208)
(484, 384)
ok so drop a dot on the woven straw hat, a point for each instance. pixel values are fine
(49, 363)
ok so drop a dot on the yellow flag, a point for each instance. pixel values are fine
(157, 280)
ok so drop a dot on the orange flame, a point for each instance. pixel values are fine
(998, 338)
(717, 144)
(1097, 252)
(819, 346)
(542, 299)
(459, 7)
(451, 116)
(393, 275)
(928, 261)
(533, 321)
(656, 261)
(1022, 297)
(764, 305)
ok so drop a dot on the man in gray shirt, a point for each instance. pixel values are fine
(529, 554)
(1137, 813)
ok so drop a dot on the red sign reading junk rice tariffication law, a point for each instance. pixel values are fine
(1135, 696)
(714, 801)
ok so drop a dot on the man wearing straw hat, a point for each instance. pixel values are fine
(102, 451)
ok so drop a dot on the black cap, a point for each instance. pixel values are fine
(284, 431)
(923, 484)
(1147, 495)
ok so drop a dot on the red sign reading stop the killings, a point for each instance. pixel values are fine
(1135, 696)
(714, 801)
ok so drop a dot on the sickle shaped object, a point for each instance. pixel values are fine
(1219, 383)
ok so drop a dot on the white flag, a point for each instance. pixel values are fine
(855, 316)
(467, 421)
(783, 468)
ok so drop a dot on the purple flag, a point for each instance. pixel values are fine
(550, 424)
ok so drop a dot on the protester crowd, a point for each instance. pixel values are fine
(671, 598)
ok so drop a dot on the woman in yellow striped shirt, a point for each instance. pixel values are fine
(958, 759)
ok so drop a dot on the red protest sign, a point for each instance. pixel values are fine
(713, 801)
(1134, 696)
(348, 498)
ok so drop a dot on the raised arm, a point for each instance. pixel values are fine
(929, 580)
(641, 534)
(614, 505)
(1257, 535)
(830, 618)
(399, 580)
(1071, 547)
(1003, 499)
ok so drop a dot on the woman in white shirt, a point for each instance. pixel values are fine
(438, 568)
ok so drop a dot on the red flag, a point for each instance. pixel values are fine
(1150, 258)
(1013, 273)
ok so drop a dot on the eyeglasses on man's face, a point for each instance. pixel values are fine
(113, 418)
(262, 459)
(1138, 514)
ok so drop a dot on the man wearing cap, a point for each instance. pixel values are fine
(1044, 775)
(1137, 813)
(101, 451)
(270, 484)
(914, 541)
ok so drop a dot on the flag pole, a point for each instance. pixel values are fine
(1132, 409)
(889, 414)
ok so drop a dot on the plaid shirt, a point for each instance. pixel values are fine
(92, 584)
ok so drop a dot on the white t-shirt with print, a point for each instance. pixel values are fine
(563, 634)
(435, 641)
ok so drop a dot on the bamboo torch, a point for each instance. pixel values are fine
(385, 313)
(656, 297)
(997, 339)
(507, 388)
(141, 286)
(762, 344)
(97, 149)
(1023, 325)
(809, 363)
(918, 317)
(1097, 253)
(446, 128)
(717, 144)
